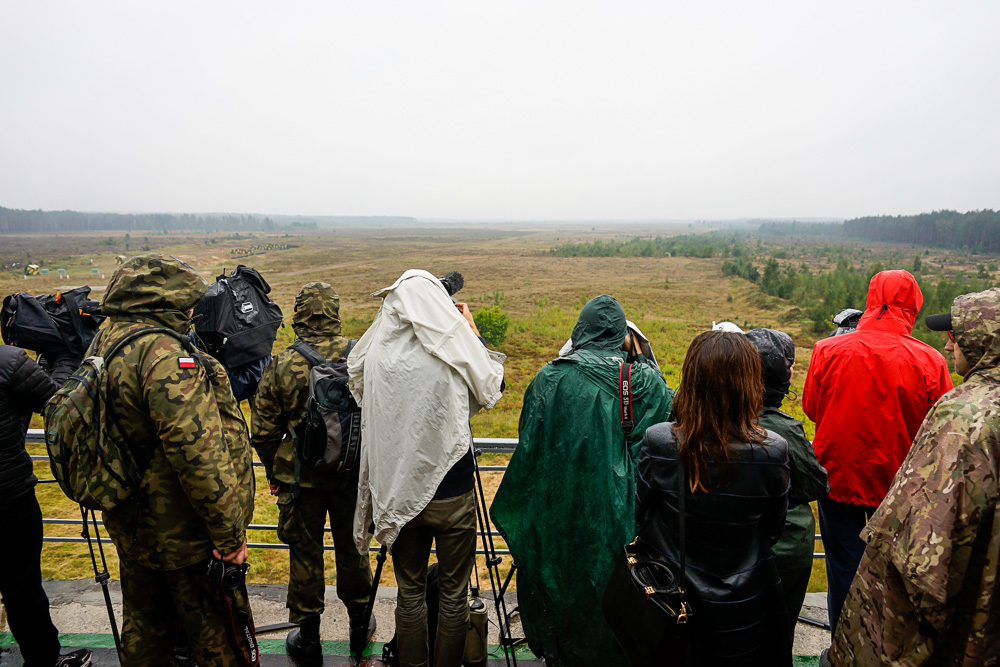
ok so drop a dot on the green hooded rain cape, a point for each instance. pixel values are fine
(566, 504)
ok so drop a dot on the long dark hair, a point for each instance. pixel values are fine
(720, 394)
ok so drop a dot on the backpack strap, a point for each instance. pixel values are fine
(132, 335)
(143, 460)
(314, 357)
(307, 351)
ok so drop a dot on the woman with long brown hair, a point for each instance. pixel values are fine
(736, 486)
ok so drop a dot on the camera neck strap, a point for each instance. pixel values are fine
(625, 400)
(229, 584)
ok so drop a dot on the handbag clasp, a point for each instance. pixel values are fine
(682, 617)
(650, 592)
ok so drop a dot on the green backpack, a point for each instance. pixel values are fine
(89, 461)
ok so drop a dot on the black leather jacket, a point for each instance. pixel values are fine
(24, 388)
(731, 576)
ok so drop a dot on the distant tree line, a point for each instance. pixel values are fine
(823, 295)
(17, 221)
(14, 221)
(975, 230)
(696, 245)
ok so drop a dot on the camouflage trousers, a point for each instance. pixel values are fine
(301, 525)
(160, 607)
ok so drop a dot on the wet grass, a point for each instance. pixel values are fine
(671, 300)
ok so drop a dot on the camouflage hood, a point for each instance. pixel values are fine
(975, 322)
(317, 312)
(161, 288)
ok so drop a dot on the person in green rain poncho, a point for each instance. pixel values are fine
(566, 504)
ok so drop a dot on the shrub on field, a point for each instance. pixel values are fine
(492, 324)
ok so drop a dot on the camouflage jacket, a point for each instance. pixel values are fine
(926, 589)
(197, 490)
(283, 391)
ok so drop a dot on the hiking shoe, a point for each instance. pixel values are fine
(302, 644)
(78, 658)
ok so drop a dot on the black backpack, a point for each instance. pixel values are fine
(329, 438)
(65, 322)
(236, 320)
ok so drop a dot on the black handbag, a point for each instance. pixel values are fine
(645, 603)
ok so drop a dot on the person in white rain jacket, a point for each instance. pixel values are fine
(419, 373)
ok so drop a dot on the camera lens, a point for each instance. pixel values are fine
(233, 577)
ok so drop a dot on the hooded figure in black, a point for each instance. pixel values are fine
(794, 551)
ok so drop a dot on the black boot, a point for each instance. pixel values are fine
(302, 643)
(362, 629)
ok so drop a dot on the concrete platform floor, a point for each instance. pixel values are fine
(78, 610)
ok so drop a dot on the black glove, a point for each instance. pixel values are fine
(59, 365)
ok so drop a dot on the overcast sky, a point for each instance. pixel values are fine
(503, 110)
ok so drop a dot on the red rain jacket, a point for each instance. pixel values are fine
(869, 391)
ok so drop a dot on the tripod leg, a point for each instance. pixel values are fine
(493, 565)
(379, 562)
(101, 577)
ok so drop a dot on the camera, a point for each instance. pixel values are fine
(231, 575)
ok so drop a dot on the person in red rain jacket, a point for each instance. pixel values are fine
(868, 393)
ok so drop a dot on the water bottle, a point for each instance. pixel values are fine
(476, 651)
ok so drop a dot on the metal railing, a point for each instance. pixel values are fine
(484, 445)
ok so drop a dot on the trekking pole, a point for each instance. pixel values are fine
(493, 562)
(101, 577)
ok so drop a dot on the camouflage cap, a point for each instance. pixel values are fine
(153, 283)
(975, 322)
(317, 311)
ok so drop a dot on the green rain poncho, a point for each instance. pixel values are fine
(566, 504)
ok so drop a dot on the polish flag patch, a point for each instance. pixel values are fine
(186, 362)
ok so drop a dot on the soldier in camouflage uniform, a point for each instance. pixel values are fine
(305, 496)
(196, 493)
(926, 590)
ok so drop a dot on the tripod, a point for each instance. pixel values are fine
(507, 642)
(498, 585)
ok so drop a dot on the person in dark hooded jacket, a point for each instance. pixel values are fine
(25, 388)
(868, 393)
(793, 554)
(566, 502)
(305, 496)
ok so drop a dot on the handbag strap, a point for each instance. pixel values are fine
(681, 492)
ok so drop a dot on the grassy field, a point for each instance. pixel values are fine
(671, 299)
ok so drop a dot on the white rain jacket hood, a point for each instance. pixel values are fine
(419, 373)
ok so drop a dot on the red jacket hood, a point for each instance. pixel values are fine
(894, 299)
